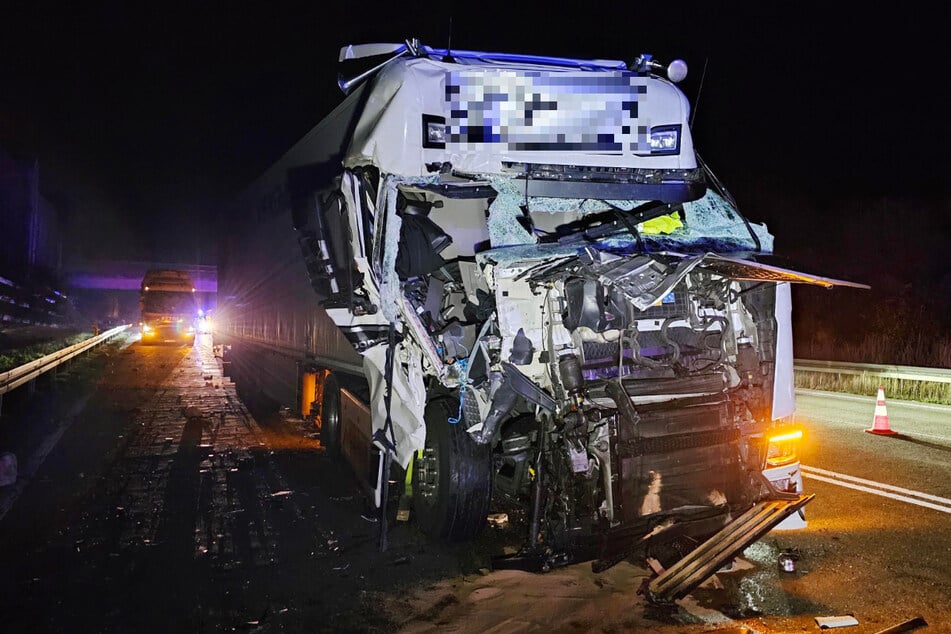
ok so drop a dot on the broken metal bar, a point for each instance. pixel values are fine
(685, 575)
(907, 626)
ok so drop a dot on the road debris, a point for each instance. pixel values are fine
(192, 412)
(787, 559)
(907, 626)
(829, 622)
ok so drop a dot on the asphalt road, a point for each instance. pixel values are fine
(151, 499)
(918, 458)
(884, 558)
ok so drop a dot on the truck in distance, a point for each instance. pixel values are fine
(547, 302)
(168, 307)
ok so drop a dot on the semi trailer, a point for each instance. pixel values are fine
(513, 278)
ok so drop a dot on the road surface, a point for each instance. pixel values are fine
(151, 499)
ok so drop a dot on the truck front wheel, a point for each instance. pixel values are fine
(452, 479)
(330, 415)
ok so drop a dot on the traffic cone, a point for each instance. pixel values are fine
(880, 423)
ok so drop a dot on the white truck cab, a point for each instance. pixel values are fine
(557, 305)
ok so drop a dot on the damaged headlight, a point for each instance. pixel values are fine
(783, 448)
(665, 139)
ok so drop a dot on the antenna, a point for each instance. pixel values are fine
(448, 56)
(696, 103)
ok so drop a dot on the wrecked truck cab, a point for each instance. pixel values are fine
(553, 309)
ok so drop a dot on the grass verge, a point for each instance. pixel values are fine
(865, 385)
(10, 359)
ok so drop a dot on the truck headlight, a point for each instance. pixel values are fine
(783, 448)
(665, 139)
(147, 329)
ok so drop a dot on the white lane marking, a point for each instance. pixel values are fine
(880, 485)
(839, 480)
(915, 434)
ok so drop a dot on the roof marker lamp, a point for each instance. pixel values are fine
(434, 131)
(665, 140)
(783, 448)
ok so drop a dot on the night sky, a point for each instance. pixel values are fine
(818, 119)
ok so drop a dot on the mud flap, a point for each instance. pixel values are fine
(680, 579)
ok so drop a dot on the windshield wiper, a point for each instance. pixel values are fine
(631, 227)
(594, 226)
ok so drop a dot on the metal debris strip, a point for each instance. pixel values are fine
(829, 622)
(680, 579)
(907, 626)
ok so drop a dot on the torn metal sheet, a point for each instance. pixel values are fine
(739, 269)
(409, 397)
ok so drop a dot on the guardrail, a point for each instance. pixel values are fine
(902, 372)
(12, 379)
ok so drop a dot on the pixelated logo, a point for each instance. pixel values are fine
(549, 111)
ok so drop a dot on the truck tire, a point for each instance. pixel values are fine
(452, 481)
(330, 415)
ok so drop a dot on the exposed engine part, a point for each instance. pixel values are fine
(522, 349)
(569, 369)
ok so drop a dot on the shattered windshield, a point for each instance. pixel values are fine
(709, 224)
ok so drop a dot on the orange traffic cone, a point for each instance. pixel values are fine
(880, 423)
